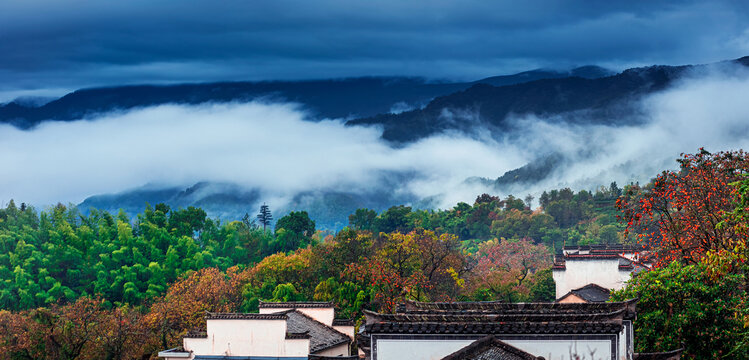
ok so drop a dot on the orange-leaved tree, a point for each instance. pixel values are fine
(184, 305)
(83, 329)
(419, 265)
(678, 214)
(504, 267)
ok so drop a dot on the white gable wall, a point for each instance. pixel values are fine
(392, 349)
(340, 350)
(348, 330)
(561, 349)
(581, 272)
(435, 349)
(247, 338)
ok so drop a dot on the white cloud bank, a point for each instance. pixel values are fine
(703, 110)
(268, 146)
(271, 147)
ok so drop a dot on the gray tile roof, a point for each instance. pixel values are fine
(643, 258)
(592, 293)
(321, 336)
(495, 307)
(244, 316)
(490, 348)
(484, 317)
(343, 322)
(594, 247)
(604, 327)
(304, 335)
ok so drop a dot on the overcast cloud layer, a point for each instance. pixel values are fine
(271, 147)
(70, 44)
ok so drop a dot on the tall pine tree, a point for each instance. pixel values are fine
(264, 216)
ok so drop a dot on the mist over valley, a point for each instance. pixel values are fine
(331, 147)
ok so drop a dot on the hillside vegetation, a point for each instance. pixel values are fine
(63, 254)
(80, 286)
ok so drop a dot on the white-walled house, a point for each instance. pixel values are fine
(609, 267)
(509, 331)
(292, 330)
(552, 331)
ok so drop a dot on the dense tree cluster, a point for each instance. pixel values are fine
(86, 286)
(695, 219)
(680, 306)
(62, 254)
(156, 274)
(564, 217)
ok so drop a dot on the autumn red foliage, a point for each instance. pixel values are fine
(420, 265)
(678, 214)
(83, 329)
(185, 303)
(504, 266)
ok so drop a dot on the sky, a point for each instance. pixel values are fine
(50, 47)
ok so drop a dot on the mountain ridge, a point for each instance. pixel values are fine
(330, 98)
(493, 106)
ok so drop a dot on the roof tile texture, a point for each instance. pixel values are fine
(321, 336)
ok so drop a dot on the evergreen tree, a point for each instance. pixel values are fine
(264, 217)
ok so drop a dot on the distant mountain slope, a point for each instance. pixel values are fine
(330, 209)
(586, 72)
(359, 97)
(227, 201)
(489, 106)
(528, 174)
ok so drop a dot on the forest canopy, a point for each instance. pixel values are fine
(145, 281)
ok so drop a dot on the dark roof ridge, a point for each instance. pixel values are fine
(523, 308)
(519, 327)
(244, 316)
(343, 322)
(594, 285)
(591, 256)
(416, 305)
(297, 304)
(604, 247)
(477, 346)
(545, 323)
(408, 301)
(492, 302)
(493, 317)
(301, 335)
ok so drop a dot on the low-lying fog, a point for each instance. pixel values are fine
(270, 147)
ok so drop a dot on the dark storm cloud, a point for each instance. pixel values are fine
(68, 44)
